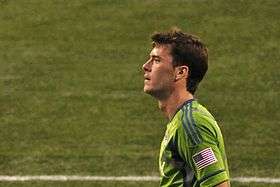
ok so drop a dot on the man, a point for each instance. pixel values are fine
(192, 151)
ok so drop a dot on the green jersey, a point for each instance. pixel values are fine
(192, 152)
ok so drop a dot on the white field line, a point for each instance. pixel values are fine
(119, 178)
(256, 180)
(77, 178)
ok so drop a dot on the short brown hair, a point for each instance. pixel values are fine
(186, 49)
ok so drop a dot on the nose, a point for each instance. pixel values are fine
(146, 66)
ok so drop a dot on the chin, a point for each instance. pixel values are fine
(147, 90)
(152, 93)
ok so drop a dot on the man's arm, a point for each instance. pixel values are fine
(203, 151)
(224, 184)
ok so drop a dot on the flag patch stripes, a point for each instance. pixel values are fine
(204, 158)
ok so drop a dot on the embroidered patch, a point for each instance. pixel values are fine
(204, 158)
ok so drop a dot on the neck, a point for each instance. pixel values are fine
(170, 105)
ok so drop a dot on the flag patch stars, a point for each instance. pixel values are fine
(204, 158)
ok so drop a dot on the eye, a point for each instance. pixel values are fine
(157, 60)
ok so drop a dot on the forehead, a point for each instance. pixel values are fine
(163, 51)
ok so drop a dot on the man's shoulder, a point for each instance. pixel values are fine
(196, 112)
(202, 117)
(197, 122)
(200, 110)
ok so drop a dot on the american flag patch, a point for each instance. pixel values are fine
(204, 158)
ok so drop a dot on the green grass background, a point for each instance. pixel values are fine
(71, 99)
(112, 184)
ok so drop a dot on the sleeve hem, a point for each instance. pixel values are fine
(216, 179)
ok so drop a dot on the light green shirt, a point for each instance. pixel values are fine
(192, 152)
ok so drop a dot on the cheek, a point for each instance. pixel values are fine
(164, 76)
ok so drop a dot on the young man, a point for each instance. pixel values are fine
(192, 152)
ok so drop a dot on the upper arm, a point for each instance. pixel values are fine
(205, 155)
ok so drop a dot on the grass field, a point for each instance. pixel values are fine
(111, 184)
(71, 99)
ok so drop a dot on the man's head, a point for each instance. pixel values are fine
(181, 56)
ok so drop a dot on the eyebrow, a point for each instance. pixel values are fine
(155, 56)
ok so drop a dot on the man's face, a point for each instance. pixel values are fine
(159, 72)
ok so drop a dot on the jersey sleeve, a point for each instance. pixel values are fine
(200, 146)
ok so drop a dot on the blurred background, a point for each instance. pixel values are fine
(71, 100)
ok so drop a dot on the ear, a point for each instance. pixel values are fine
(181, 72)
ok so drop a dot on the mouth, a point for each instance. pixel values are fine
(146, 78)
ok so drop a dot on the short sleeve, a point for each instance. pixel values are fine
(205, 155)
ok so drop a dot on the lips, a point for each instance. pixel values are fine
(146, 77)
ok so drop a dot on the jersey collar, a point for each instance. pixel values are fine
(181, 106)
